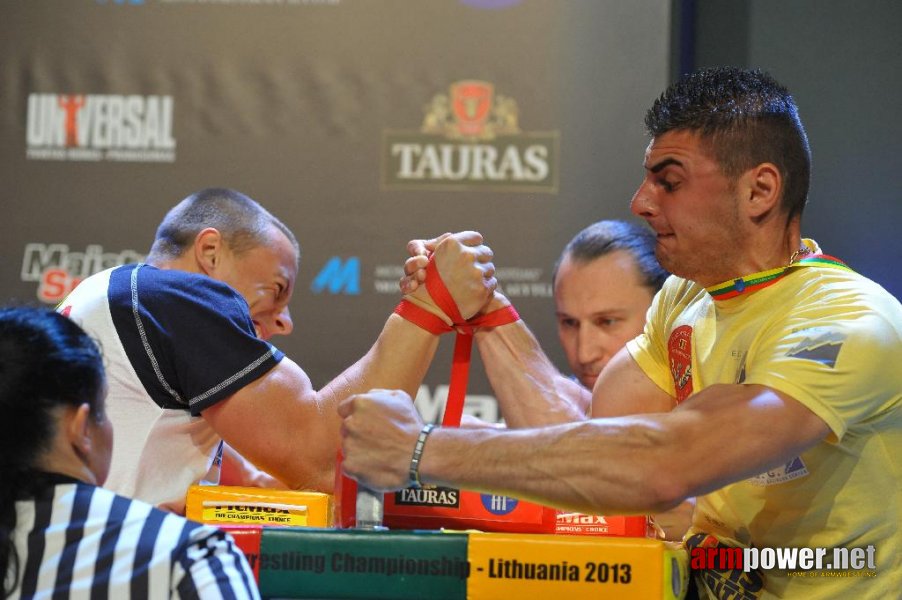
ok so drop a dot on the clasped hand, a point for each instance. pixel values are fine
(463, 262)
(378, 433)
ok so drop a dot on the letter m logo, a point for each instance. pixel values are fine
(339, 277)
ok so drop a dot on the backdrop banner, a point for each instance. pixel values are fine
(361, 124)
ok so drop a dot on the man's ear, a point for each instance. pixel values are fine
(762, 189)
(208, 248)
(78, 429)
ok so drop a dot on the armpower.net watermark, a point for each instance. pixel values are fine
(799, 562)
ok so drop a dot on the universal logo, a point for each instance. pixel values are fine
(470, 139)
(94, 127)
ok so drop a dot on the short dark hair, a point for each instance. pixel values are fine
(604, 237)
(243, 223)
(46, 362)
(747, 118)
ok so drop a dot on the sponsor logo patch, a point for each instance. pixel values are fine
(470, 138)
(820, 345)
(57, 269)
(498, 505)
(430, 403)
(679, 350)
(338, 276)
(513, 282)
(792, 470)
(428, 496)
(578, 522)
(98, 127)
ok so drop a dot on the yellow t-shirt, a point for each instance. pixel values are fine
(832, 340)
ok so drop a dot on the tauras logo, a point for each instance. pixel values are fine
(470, 138)
(428, 496)
(93, 127)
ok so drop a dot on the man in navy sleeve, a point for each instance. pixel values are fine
(185, 338)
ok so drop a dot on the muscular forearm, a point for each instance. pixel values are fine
(530, 390)
(398, 360)
(641, 463)
(296, 437)
(602, 466)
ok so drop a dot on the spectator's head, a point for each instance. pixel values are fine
(604, 282)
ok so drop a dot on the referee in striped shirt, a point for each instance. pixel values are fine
(61, 536)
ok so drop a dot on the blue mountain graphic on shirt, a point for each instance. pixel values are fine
(822, 347)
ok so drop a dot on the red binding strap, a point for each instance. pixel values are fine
(422, 318)
(463, 344)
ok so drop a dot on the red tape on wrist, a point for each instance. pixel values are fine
(422, 318)
(440, 294)
(463, 344)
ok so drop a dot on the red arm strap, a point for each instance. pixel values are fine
(463, 345)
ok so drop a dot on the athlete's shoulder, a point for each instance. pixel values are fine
(678, 291)
(166, 288)
(843, 289)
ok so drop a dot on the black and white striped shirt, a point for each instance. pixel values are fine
(75, 540)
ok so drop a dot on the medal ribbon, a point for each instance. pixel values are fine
(756, 281)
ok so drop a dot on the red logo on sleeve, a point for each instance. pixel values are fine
(679, 350)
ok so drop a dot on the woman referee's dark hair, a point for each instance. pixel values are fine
(46, 362)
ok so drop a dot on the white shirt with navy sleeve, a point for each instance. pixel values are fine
(174, 343)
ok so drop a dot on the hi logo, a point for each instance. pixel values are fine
(498, 505)
(338, 277)
(470, 138)
(94, 127)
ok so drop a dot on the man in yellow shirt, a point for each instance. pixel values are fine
(768, 373)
